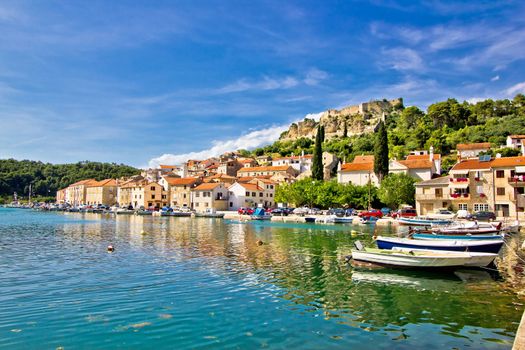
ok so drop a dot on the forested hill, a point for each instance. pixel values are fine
(443, 125)
(46, 178)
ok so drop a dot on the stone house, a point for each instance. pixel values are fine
(211, 195)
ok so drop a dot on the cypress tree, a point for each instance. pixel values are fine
(381, 152)
(345, 131)
(317, 162)
(322, 134)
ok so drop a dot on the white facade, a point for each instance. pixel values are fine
(359, 178)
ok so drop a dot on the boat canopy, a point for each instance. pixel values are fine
(259, 212)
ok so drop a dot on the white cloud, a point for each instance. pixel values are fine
(248, 141)
(401, 58)
(496, 78)
(314, 76)
(474, 100)
(515, 89)
(266, 83)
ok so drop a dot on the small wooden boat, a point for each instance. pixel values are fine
(343, 219)
(422, 221)
(422, 258)
(487, 246)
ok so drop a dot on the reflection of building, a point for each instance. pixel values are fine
(477, 184)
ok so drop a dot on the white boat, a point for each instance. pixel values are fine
(423, 221)
(472, 245)
(422, 258)
(343, 219)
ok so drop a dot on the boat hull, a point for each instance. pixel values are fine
(422, 222)
(425, 236)
(423, 258)
(486, 246)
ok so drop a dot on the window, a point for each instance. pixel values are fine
(439, 192)
(149, 205)
(253, 194)
(152, 188)
(197, 194)
(206, 204)
(197, 204)
(184, 195)
(247, 194)
(462, 206)
(231, 204)
(260, 194)
(163, 196)
(152, 196)
(500, 174)
(271, 194)
(184, 186)
(500, 191)
(481, 207)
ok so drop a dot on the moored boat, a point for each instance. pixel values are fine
(422, 258)
(487, 246)
(422, 221)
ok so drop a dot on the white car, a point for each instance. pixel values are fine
(442, 214)
(301, 211)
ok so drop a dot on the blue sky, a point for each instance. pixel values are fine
(141, 82)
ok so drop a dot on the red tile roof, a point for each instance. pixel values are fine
(364, 159)
(471, 164)
(265, 168)
(361, 166)
(417, 163)
(422, 156)
(180, 181)
(207, 186)
(508, 162)
(472, 146)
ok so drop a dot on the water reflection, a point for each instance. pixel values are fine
(300, 265)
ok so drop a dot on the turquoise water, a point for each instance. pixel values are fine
(203, 283)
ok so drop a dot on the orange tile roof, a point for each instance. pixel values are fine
(246, 160)
(306, 156)
(417, 163)
(360, 166)
(104, 183)
(207, 186)
(422, 156)
(265, 168)
(517, 136)
(180, 181)
(472, 146)
(167, 166)
(508, 162)
(364, 159)
(251, 187)
(471, 164)
(84, 182)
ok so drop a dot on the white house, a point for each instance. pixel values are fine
(516, 141)
(471, 150)
(256, 193)
(300, 163)
(360, 172)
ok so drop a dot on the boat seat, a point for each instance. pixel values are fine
(358, 245)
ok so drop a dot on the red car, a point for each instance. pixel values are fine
(405, 213)
(372, 212)
(245, 211)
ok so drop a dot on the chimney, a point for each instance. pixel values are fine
(431, 153)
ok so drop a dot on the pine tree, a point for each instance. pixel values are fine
(317, 162)
(381, 152)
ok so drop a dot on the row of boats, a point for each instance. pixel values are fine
(468, 244)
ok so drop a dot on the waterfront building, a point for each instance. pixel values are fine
(254, 193)
(179, 190)
(102, 192)
(211, 195)
(360, 172)
(61, 196)
(142, 193)
(76, 193)
(220, 178)
(477, 184)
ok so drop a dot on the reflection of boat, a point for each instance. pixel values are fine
(488, 246)
(124, 212)
(422, 258)
(309, 219)
(368, 220)
(142, 212)
(419, 281)
(422, 221)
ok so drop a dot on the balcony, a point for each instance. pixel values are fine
(431, 197)
(518, 180)
(459, 179)
(458, 196)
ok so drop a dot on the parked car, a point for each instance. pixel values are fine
(339, 212)
(245, 211)
(483, 216)
(279, 211)
(350, 212)
(301, 210)
(315, 211)
(442, 214)
(405, 213)
(372, 212)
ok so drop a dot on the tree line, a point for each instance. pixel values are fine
(46, 178)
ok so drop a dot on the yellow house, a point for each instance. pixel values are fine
(180, 190)
(102, 192)
(212, 195)
(142, 193)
